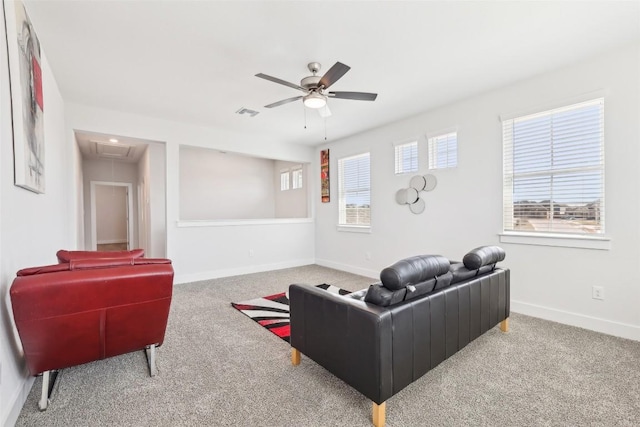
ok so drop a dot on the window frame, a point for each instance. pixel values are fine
(433, 144)
(295, 171)
(509, 234)
(398, 164)
(284, 172)
(342, 224)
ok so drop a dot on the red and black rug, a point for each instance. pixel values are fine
(272, 312)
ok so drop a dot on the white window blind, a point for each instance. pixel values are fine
(406, 156)
(554, 171)
(354, 190)
(296, 177)
(443, 151)
(284, 180)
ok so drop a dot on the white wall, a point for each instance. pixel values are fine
(215, 185)
(144, 229)
(78, 178)
(209, 250)
(108, 171)
(156, 203)
(111, 214)
(465, 209)
(294, 202)
(32, 226)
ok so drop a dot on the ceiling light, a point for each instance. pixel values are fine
(113, 140)
(315, 100)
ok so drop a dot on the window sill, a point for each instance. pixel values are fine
(558, 240)
(232, 222)
(355, 228)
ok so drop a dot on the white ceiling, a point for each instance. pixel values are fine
(195, 61)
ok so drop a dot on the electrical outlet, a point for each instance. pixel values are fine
(598, 292)
(367, 256)
(250, 252)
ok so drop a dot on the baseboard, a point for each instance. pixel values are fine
(609, 327)
(349, 268)
(17, 402)
(215, 274)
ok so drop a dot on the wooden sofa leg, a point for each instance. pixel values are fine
(504, 325)
(295, 356)
(379, 414)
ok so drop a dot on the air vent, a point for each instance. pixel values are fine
(243, 110)
(113, 151)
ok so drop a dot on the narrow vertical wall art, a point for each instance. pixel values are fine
(27, 105)
(324, 175)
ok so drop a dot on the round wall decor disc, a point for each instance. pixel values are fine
(430, 182)
(401, 196)
(418, 207)
(418, 182)
(412, 195)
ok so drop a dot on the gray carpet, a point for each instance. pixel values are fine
(217, 367)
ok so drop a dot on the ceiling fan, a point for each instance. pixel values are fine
(315, 86)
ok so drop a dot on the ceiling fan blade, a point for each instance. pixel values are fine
(334, 74)
(324, 111)
(284, 101)
(359, 96)
(280, 81)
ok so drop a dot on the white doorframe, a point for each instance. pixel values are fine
(94, 234)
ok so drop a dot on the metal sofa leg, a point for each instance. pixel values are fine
(379, 414)
(44, 397)
(151, 360)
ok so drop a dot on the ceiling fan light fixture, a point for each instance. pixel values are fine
(315, 100)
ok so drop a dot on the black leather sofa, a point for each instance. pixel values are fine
(381, 339)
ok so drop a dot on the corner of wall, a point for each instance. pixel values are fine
(16, 403)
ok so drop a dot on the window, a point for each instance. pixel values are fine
(284, 180)
(354, 191)
(443, 151)
(406, 157)
(296, 176)
(554, 171)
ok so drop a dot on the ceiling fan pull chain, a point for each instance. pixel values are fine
(305, 116)
(325, 128)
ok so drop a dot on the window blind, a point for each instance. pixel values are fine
(554, 171)
(296, 177)
(406, 156)
(354, 190)
(443, 151)
(284, 180)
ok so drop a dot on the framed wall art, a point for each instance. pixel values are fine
(27, 102)
(324, 175)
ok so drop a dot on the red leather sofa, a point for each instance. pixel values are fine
(90, 306)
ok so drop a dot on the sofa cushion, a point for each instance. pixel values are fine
(460, 272)
(379, 295)
(413, 271)
(483, 255)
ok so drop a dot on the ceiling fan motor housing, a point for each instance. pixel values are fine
(310, 83)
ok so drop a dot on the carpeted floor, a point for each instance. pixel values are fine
(219, 368)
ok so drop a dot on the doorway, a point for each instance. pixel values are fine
(112, 216)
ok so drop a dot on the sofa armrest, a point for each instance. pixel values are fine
(350, 338)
